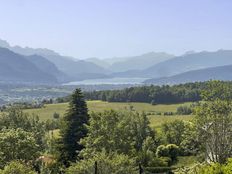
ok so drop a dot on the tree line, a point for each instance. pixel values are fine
(189, 92)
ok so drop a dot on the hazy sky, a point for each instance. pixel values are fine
(108, 28)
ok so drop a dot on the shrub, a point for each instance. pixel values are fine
(171, 151)
(17, 144)
(168, 113)
(184, 110)
(56, 115)
(16, 167)
(162, 151)
(149, 170)
(106, 164)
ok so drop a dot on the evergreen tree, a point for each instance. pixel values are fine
(73, 129)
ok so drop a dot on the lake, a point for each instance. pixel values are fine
(113, 81)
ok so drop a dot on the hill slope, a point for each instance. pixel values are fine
(74, 68)
(216, 73)
(139, 62)
(47, 67)
(17, 68)
(122, 64)
(189, 62)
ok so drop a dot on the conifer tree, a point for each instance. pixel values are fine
(73, 128)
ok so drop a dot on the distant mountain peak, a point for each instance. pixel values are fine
(27, 50)
(18, 68)
(4, 43)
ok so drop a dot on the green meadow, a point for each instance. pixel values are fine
(98, 106)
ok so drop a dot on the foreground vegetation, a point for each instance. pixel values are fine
(125, 138)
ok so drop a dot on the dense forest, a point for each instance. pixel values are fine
(189, 92)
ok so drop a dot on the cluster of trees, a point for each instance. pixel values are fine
(151, 94)
(21, 105)
(189, 92)
(185, 110)
(22, 141)
(118, 142)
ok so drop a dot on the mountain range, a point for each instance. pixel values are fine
(15, 68)
(189, 62)
(215, 73)
(29, 65)
(122, 64)
(72, 68)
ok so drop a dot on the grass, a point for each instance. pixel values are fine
(157, 120)
(99, 106)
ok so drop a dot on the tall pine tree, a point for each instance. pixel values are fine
(73, 128)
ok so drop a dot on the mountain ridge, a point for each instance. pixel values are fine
(17, 68)
(200, 75)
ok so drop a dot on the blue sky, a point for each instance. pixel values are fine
(109, 28)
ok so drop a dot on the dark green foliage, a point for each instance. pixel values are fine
(170, 150)
(63, 99)
(184, 110)
(162, 151)
(56, 115)
(47, 101)
(151, 94)
(189, 92)
(173, 151)
(150, 170)
(17, 167)
(73, 128)
(168, 113)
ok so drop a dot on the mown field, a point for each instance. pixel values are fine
(97, 106)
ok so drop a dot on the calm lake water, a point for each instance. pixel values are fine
(114, 81)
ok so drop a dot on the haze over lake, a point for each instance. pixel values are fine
(114, 81)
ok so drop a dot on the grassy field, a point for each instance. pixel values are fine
(98, 106)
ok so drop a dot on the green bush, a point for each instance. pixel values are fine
(149, 170)
(106, 164)
(56, 115)
(168, 113)
(162, 151)
(171, 151)
(16, 167)
(184, 110)
(17, 144)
